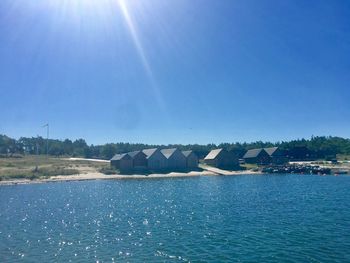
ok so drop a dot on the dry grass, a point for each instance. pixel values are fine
(109, 170)
(35, 167)
(343, 157)
(249, 166)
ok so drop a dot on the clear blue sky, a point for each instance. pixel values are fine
(175, 71)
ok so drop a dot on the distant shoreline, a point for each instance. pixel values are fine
(100, 176)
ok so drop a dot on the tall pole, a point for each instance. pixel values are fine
(47, 140)
(37, 153)
(37, 146)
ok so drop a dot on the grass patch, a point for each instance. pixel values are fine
(54, 171)
(249, 166)
(37, 173)
(25, 167)
(343, 157)
(11, 155)
(108, 170)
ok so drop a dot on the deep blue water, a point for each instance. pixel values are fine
(272, 218)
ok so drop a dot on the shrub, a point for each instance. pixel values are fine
(108, 170)
(32, 177)
(54, 171)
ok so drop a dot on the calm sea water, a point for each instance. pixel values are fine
(272, 218)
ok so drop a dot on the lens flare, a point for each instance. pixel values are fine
(141, 52)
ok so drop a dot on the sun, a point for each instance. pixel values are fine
(92, 17)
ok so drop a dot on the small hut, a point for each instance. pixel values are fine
(277, 155)
(191, 159)
(175, 158)
(155, 159)
(122, 162)
(221, 158)
(257, 156)
(139, 160)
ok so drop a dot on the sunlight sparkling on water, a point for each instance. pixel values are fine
(246, 218)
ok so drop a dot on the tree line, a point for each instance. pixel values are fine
(317, 147)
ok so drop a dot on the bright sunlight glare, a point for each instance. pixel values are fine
(84, 12)
(137, 42)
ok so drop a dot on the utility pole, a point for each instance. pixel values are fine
(37, 153)
(37, 145)
(47, 139)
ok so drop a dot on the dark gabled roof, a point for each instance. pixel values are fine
(271, 150)
(118, 157)
(149, 152)
(252, 153)
(212, 154)
(168, 152)
(134, 153)
(187, 153)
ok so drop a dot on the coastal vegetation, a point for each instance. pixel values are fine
(317, 147)
(109, 170)
(37, 167)
(249, 166)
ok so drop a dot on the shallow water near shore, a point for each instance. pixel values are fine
(248, 218)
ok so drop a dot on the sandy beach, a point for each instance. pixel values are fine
(100, 176)
(88, 169)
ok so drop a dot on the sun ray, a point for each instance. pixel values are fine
(141, 51)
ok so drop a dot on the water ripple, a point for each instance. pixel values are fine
(290, 218)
